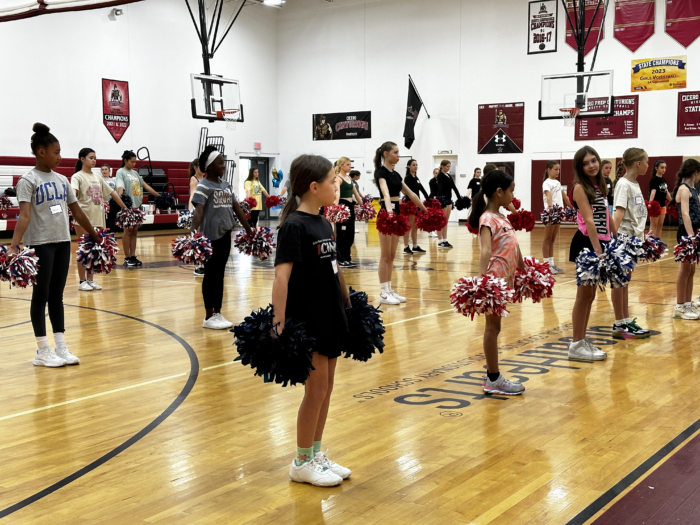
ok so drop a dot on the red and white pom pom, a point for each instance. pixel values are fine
(23, 268)
(408, 207)
(535, 282)
(130, 218)
(432, 221)
(653, 208)
(272, 201)
(192, 249)
(654, 249)
(552, 215)
(483, 295)
(4, 276)
(432, 203)
(688, 250)
(365, 212)
(283, 201)
(259, 243)
(251, 202)
(516, 203)
(337, 213)
(367, 199)
(5, 202)
(394, 224)
(98, 257)
(105, 207)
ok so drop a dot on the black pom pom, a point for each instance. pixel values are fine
(444, 201)
(463, 203)
(113, 206)
(366, 328)
(287, 358)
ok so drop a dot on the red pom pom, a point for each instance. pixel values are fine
(408, 207)
(432, 221)
(481, 295)
(672, 210)
(522, 220)
(5, 202)
(653, 208)
(272, 201)
(365, 212)
(251, 202)
(337, 213)
(393, 224)
(535, 282)
(514, 220)
(474, 231)
(432, 203)
(516, 203)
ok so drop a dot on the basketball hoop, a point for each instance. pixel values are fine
(230, 116)
(569, 115)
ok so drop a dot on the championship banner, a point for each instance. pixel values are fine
(542, 26)
(622, 125)
(654, 74)
(115, 107)
(339, 126)
(591, 6)
(501, 128)
(683, 20)
(688, 114)
(634, 22)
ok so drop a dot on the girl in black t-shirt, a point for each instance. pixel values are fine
(658, 191)
(391, 185)
(606, 170)
(416, 187)
(445, 188)
(309, 288)
(474, 184)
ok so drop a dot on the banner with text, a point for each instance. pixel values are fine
(655, 74)
(689, 114)
(542, 26)
(622, 125)
(594, 20)
(115, 107)
(339, 126)
(634, 22)
(683, 20)
(501, 128)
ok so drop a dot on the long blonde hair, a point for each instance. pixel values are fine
(339, 163)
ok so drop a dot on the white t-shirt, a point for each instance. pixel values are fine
(628, 195)
(553, 186)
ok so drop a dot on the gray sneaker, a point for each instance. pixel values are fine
(586, 352)
(502, 386)
(559, 270)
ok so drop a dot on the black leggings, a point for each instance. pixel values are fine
(345, 233)
(253, 222)
(54, 260)
(214, 270)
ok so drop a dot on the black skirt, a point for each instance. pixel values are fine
(396, 205)
(682, 233)
(578, 243)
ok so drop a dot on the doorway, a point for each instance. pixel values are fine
(262, 164)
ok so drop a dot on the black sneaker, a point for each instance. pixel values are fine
(351, 264)
(130, 262)
(136, 261)
(443, 244)
(407, 250)
(448, 245)
(418, 249)
(626, 331)
(344, 264)
(199, 271)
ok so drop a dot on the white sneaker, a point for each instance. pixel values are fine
(685, 313)
(698, 303)
(47, 357)
(223, 320)
(85, 287)
(65, 354)
(338, 470)
(388, 298)
(94, 285)
(397, 296)
(216, 323)
(559, 270)
(315, 473)
(583, 351)
(432, 234)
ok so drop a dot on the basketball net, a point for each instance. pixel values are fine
(569, 115)
(231, 118)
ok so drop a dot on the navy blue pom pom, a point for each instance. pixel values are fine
(366, 328)
(114, 207)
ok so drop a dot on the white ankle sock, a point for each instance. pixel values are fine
(59, 338)
(620, 322)
(42, 342)
(386, 286)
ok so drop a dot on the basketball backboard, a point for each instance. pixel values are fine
(211, 93)
(590, 93)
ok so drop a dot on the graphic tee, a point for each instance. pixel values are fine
(628, 195)
(112, 183)
(313, 293)
(217, 200)
(91, 191)
(132, 183)
(553, 186)
(601, 217)
(255, 189)
(49, 195)
(659, 184)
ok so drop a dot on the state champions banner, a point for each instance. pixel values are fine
(688, 114)
(339, 126)
(115, 107)
(654, 74)
(542, 26)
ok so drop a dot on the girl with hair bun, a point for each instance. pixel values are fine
(91, 191)
(391, 185)
(131, 184)
(44, 200)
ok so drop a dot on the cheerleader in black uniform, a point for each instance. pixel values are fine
(391, 185)
(445, 187)
(309, 288)
(433, 185)
(416, 187)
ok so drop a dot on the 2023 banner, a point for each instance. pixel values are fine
(654, 74)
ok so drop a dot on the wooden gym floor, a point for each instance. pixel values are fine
(159, 425)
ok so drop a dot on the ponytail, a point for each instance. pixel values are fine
(618, 173)
(490, 184)
(656, 166)
(379, 157)
(688, 168)
(550, 165)
(304, 170)
(82, 154)
(128, 154)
